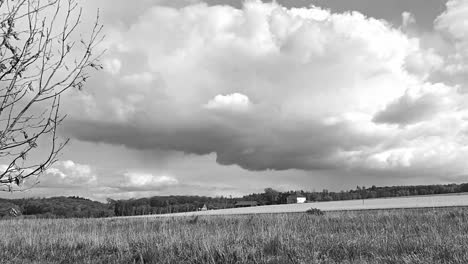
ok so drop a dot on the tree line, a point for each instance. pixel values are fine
(76, 207)
(56, 207)
(175, 204)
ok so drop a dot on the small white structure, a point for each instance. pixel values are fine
(295, 199)
(204, 208)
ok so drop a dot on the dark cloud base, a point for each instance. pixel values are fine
(310, 146)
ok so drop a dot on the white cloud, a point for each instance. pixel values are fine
(68, 174)
(113, 66)
(408, 20)
(318, 79)
(234, 102)
(453, 25)
(454, 20)
(146, 181)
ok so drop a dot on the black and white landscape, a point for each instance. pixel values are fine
(114, 108)
(226, 98)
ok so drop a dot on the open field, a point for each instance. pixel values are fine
(392, 236)
(429, 201)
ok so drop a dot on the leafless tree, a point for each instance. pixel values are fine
(42, 55)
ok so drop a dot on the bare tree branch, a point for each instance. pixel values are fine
(40, 58)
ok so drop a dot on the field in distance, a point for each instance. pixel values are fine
(424, 201)
(378, 236)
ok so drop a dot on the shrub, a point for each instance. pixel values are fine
(315, 211)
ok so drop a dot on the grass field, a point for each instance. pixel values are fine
(392, 236)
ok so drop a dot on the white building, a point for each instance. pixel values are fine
(296, 198)
(204, 208)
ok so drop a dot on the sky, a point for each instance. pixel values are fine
(230, 97)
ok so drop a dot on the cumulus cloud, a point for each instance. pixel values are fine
(136, 181)
(452, 25)
(325, 86)
(233, 102)
(407, 20)
(454, 19)
(75, 178)
(418, 105)
(68, 174)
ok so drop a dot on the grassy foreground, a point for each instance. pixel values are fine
(398, 236)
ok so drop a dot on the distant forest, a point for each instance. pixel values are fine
(76, 207)
(55, 207)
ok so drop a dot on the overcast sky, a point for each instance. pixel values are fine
(229, 97)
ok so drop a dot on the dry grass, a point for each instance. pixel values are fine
(398, 236)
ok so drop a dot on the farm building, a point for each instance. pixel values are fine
(204, 208)
(245, 204)
(291, 199)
